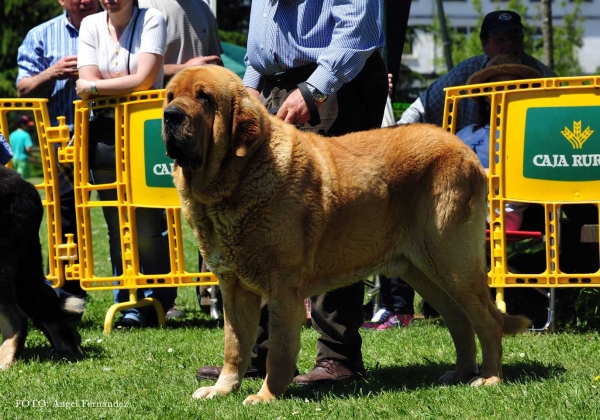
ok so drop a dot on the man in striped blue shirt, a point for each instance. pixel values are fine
(48, 69)
(317, 64)
(48, 59)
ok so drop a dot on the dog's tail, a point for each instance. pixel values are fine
(72, 305)
(514, 324)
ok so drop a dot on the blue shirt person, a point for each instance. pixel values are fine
(6, 152)
(47, 62)
(21, 145)
(338, 37)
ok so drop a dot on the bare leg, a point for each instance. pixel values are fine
(241, 309)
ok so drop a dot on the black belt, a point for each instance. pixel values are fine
(290, 78)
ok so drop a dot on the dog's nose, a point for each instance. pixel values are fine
(173, 115)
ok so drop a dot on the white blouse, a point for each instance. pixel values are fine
(145, 33)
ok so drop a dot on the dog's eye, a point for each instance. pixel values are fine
(170, 97)
(203, 98)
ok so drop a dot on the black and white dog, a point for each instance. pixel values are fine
(23, 290)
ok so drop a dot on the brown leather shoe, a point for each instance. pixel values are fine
(213, 372)
(329, 371)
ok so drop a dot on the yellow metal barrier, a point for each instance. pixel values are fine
(544, 149)
(50, 138)
(143, 180)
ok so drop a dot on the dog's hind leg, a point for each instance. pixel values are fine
(241, 308)
(457, 322)
(488, 323)
(286, 316)
(460, 272)
(13, 322)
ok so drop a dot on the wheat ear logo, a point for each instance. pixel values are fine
(576, 137)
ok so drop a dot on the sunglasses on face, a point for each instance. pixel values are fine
(508, 37)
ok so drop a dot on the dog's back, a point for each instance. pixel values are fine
(366, 202)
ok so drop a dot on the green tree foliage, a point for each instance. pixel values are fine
(463, 45)
(469, 45)
(236, 38)
(568, 37)
(233, 15)
(18, 17)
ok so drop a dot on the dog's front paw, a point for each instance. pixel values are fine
(208, 392)
(5, 366)
(479, 381)
(6, 362)
(257, 399)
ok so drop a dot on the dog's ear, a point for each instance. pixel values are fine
(246, 123)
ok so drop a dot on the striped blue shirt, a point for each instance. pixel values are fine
(43, 46)
(338, 35)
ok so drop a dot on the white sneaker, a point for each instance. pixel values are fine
(381, 315)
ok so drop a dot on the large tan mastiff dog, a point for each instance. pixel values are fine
(282, 215)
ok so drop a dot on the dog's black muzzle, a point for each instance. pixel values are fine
(177, 137)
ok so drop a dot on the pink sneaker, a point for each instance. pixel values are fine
(379, 318)
(397, 320)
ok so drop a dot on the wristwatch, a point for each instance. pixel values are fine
(93, 88)
(317, 95)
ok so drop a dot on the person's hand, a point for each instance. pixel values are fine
(390, 85)
(294, 109)
(253, 92)
(65, 68)
(203, 60)
(83, 88)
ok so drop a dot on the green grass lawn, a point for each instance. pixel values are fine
(150, 374)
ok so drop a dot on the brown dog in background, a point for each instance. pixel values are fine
(282, 215)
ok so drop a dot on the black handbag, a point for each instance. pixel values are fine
(101, 142)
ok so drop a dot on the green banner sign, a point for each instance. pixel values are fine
(562, 143)
(158, 165)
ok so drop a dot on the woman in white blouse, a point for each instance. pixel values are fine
(120, 51)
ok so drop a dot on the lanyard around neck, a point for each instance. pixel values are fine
(131, 34)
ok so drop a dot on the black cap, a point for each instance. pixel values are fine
(500, 21)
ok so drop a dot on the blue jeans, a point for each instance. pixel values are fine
(153, 248)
